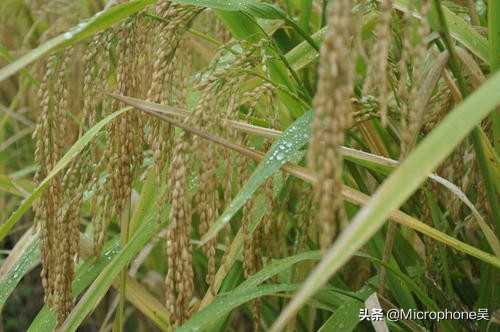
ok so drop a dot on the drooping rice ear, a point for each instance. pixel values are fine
(52, 215)
(179, 278)
(167, 81)
(414, 55)
(333, 116)
(413, 102)
(125, 136)
(377, 70)
(219, 91)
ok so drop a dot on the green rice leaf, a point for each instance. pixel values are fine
(22, 257)
(85, 274)
(83, 30)
(282, 150)
(103, 282)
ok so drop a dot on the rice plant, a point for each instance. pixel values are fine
(207, 165)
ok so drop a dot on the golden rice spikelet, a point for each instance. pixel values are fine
(122, 130)
(228, 81)
(125, 135)
(414, 54)
(377, 71)
(219, 91)
(64, 254)
(269, 220)
(411, 107)
(207, 203)
(179, 278)
(403, 90)
(215, 87)
(420, 50)
(96, 77)
(264, 234)
(333, 116)
(55, 212)
(96, 71)
(254, 243)
(165, 82)
(45, 158)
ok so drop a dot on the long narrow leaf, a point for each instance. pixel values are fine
(85, 29)
(102, 283)
(15, 186)
(85, 274)
(22, 257)
(282, 150)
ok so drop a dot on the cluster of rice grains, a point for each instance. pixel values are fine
(57, 213)
(333, 116)
(334, 111)
(124, 146)
(411, 76)
(218, 102)
(118, 60)
(107, 174)
(167, 88)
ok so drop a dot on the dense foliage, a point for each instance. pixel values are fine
(248, 165)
